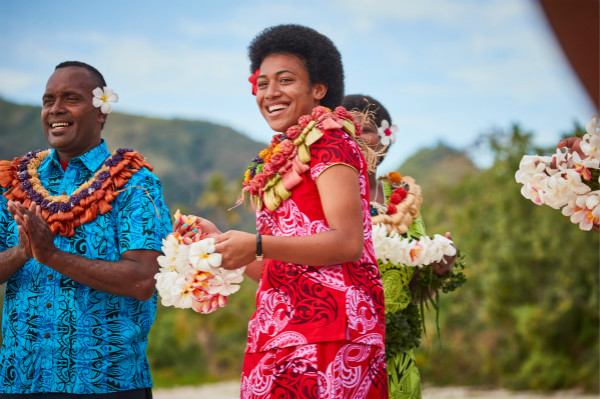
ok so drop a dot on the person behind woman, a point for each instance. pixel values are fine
(318, 330)
(378, 132)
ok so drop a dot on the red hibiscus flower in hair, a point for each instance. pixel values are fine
(253, 80)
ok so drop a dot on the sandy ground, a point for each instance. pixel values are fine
(231, 390)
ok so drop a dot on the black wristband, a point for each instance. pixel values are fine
(259, 253)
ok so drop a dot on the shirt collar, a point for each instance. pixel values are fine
(92, 159)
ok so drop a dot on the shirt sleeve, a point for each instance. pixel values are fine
(335, 147)
(143, 218)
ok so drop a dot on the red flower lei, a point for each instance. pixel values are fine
(271, 175)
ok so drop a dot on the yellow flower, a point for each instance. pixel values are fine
(264, 153)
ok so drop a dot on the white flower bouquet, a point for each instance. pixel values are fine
(567, 179)
(190, 276)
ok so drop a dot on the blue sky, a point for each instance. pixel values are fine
(445, 69)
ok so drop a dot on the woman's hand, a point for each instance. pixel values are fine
(445, 265)
(236, 248)
(572, 143)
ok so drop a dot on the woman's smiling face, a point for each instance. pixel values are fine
(284, 91)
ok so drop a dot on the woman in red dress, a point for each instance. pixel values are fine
(318, 330)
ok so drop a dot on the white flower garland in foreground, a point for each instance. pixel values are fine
(560, 180)
(397, 250)
(190, 276)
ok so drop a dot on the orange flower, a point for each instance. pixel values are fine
(395, 177)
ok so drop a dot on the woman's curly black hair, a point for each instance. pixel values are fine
(367, 105)
(322, 59)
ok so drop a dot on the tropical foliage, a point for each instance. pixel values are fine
(528, 317)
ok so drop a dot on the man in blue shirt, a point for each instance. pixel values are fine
(80, 231)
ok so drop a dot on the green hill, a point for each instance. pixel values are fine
(184, 153)
(441, 165)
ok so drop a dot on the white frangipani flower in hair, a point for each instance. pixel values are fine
(102, 97)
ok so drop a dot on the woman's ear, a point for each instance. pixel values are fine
(319, 90)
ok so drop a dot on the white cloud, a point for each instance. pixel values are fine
(14, 81)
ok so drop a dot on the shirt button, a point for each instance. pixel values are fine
(48, 305)
(47, 335)
(50, 277)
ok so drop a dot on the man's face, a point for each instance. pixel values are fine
(71, 124)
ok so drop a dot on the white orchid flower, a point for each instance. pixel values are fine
(102, 97)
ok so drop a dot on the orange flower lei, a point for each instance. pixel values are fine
(271, 176)
(64, 213)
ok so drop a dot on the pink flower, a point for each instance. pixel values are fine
(285, 168)
(256, 184)
(277, 160)
(286, 147)
(269, 169)
(293, 132)
(209, 305)
(341, 113)
(319, 111)
(304, 120)
(583, 171)
(358, 128)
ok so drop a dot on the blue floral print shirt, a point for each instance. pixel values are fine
(61, 336)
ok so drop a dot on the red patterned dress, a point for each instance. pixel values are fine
(318, 332)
